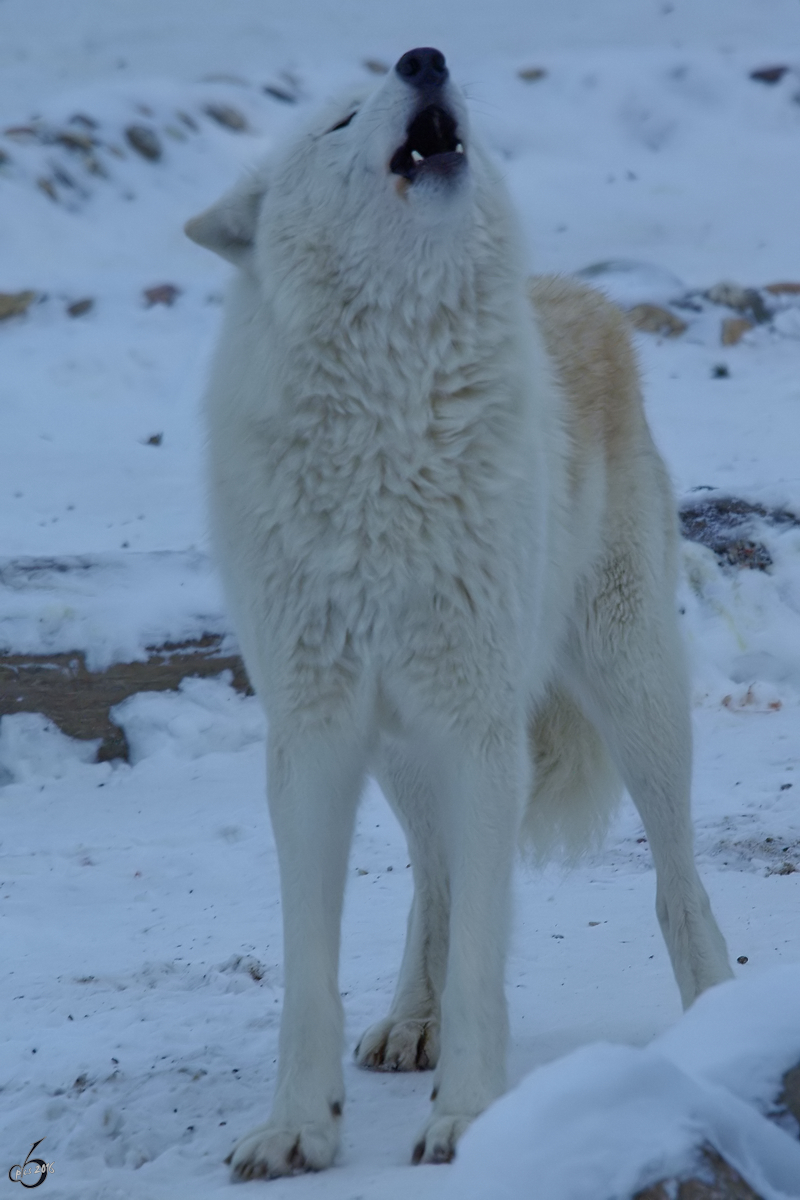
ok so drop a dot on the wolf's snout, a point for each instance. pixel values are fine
(423, 67)
(434, 144)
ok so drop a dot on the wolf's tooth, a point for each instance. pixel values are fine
(459, 148)
(416, 156)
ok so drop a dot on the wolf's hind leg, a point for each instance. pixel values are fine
(631, 677)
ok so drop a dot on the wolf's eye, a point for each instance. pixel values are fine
(343, 124)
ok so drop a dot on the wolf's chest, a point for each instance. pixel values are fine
(369, 498)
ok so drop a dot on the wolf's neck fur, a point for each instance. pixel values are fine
(430, 326)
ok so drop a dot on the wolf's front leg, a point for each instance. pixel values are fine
(485, 782)
(407, 1039)
(314, 780)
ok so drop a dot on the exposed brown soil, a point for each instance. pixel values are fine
(78, 700)
(715, 1180)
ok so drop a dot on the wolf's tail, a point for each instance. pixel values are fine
(576, 788)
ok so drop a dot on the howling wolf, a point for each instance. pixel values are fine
(449, 548)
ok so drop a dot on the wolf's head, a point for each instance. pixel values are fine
(373, 182)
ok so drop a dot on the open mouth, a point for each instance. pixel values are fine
(432, 146)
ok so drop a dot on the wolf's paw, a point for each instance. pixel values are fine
(270, 1150)
(399, 1045)
(437, 1143)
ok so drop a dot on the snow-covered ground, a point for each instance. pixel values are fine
(141, 1057)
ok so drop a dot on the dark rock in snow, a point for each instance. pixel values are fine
(13, 304)
(79, 307)
(48, 187)
(75, 141)
(769, 74)
(789, 1099)
(743, 300)
(727, 526)
(279, 93)
(163, 293)
(144, 141)
(225, 115)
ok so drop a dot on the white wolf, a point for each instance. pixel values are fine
(449, 549)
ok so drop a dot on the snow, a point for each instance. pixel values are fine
(140, 1057)
(611, 1120)
(110, 606)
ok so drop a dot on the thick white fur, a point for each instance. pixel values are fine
(448, 545)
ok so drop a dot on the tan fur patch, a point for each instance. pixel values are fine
(588, 342)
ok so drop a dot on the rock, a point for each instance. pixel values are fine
(22, 133)
(716, 521)
(13, 304)
(531, 74)
(79, 307)
(163, 293)
(376, 66)
(144, 141)
(75, 141)
(48, 187)
(743, 300)
(155, 439)
(651, 318)
(279, 93)
(84, 120)
(785, 288)
(789, 1099)
(720, 371)
(225, 115)
(753, 555)
(734, 329)
(729, 526)
(94, 166)
(715, 1180)
(769, 74)
(732, 295)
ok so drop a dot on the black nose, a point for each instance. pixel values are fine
(423, 67)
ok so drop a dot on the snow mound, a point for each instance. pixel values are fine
(610, 1120)
(628, 282)
(205, 716)
(33, 748)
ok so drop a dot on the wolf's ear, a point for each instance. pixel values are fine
(229, 226)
